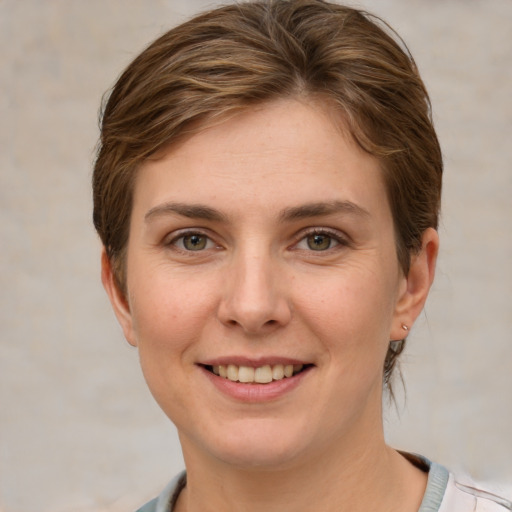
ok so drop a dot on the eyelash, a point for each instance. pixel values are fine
(181, 236)
(331, 234)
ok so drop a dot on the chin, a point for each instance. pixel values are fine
(251, 456)
(254, 444)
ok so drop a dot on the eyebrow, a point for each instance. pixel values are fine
(192, 211)
(321, 209)
(317, 209)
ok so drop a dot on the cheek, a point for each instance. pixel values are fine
(354, 303)
(351, 315)
(169, 313)
(169, 319)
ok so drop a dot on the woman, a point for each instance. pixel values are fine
(267, 191)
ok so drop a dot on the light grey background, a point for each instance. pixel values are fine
(78, 430)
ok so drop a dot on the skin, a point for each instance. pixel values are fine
(260, 289)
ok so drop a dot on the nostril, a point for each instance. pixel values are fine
(254, 312)
(253, 326)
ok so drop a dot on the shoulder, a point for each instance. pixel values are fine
(150, 506)
(449, 492)
(165, 501)
(463, 495)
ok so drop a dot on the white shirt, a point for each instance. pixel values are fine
(448, 493)
(444, 493)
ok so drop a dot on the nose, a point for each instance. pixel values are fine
(255, 294)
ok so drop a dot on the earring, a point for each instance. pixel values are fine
(404, 327)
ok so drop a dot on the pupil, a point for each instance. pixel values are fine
(319, 242)
(195, 242)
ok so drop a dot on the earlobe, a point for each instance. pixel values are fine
(417, 283)
(117, 299)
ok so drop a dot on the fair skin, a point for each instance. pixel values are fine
(261, 242)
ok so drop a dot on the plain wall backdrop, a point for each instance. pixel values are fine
(78, 429)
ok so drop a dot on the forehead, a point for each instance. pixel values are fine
(261, 156)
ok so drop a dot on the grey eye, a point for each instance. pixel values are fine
(194, 242)
(318, 242)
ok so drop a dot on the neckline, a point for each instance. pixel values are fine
(436, 486)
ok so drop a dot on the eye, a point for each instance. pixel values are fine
(193, 242)
(319, 241)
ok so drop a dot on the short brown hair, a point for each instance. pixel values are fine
(230, 58)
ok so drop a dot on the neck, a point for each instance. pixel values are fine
(341, 479)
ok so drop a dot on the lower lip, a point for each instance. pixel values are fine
(256, 392)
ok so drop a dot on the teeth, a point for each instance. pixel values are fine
(246, 374)
(278, 372)
(261, 375)
(232, 372)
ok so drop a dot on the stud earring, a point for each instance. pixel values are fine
(404, 327)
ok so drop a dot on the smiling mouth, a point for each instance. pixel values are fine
(260, 375)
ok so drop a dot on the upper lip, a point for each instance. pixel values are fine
(251, 361)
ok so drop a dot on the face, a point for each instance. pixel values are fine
(264, 287)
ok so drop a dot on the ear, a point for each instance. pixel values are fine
(117, 298)
(416, 285)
